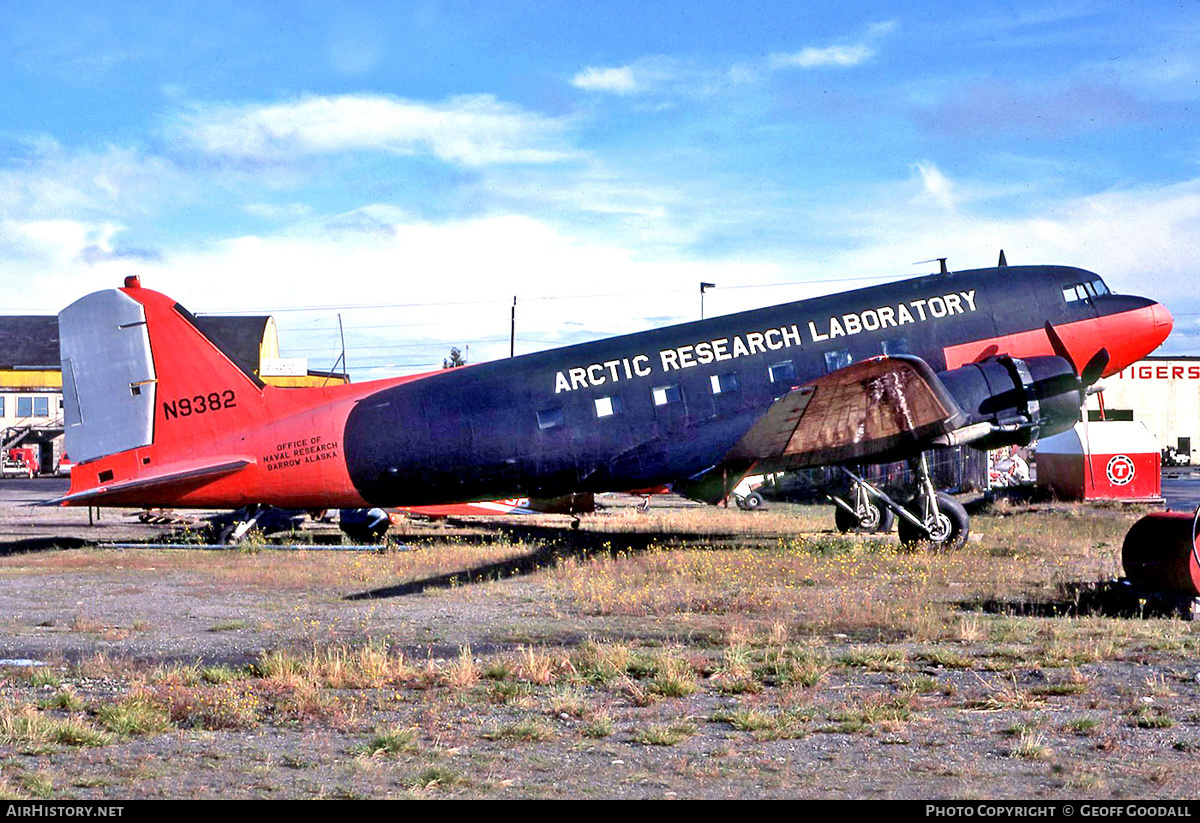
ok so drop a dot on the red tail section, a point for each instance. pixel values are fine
(202, 394)
(185, 424)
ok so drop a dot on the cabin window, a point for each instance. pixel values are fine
(608, 406)
(897, 346)
(1069, 294)
(783, 372)
(837, 359)
(724, 383)
(1098, 288)
(666, 394)
(550, 418)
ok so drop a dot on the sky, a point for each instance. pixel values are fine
(408, 169)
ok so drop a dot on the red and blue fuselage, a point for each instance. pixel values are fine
(627, 412)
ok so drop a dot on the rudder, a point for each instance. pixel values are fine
(138, 372)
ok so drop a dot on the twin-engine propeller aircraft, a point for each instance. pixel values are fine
(158, 414)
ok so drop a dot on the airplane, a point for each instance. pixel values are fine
(158, 414)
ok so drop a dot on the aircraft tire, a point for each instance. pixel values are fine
(950, 533)
(752, 502)
(879, 519)
(364, 525)
(887, 519)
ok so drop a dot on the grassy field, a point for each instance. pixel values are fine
(686, 652)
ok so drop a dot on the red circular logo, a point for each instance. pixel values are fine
(1120, 470)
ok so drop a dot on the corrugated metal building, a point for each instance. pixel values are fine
(1164, 394)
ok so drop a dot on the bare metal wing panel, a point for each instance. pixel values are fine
(856, 413)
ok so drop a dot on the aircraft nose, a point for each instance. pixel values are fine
(1163, 321)
(1132, 334)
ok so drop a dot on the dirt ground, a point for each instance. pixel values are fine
(496, 682)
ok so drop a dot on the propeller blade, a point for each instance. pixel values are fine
(1059, 347)
(1091, 371)
(1095, 367)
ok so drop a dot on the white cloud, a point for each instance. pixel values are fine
(1141, 240)
(617, 81)
(53, 182)
(811, 58)
(458, 277)
(472, 130)
(838, 56)
(937, 186)
(648, 74)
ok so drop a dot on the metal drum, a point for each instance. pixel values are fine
(1161, 554)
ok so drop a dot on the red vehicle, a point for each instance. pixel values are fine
(19, 463)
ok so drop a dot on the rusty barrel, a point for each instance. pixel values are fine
(1161, 554)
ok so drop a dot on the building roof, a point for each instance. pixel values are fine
(31, 341)
(240, 336)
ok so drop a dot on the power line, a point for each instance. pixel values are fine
(549, 297)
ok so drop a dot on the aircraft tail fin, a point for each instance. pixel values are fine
(140, 376)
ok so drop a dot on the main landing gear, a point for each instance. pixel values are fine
(930, 517)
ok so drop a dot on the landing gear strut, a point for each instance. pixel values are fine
(869, 513)
(931, 517)
(242, 521)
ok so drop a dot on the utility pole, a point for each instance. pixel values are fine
(703, 288)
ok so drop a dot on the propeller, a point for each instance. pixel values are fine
(1091, 370)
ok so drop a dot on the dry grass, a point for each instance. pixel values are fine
(628, 632)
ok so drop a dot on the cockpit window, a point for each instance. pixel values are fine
(1085, 291)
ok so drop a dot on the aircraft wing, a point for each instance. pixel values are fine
(867, 411)
(177, 474)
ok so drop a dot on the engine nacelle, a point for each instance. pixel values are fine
(1013, 402)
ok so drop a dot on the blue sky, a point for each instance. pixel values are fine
(597, 161)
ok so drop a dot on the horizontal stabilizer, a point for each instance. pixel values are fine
(176, 474)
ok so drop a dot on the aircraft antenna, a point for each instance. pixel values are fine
(940, 260)
(1003, 261)
(703, 288)
(512, 334)
(342, 335)
(341, 357)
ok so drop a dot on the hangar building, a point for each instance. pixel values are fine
(1164, 394)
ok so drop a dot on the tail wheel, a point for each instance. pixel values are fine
(364, 525)
(752, 502)
(948, 531)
